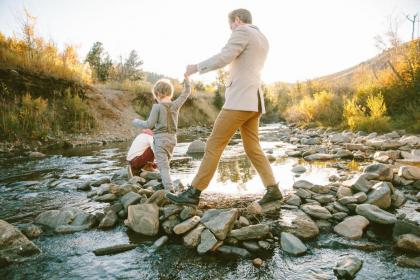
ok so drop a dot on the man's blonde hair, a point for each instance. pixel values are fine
(164, 88)
(243, 14)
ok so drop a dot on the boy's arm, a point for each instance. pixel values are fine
(151, 121)
(184, 95)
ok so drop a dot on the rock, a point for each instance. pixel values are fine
(143, 218)
(324, 198)
(296, 222)
(339, 138)
(316, 211)
(383, 172)
(391, 154)
(250, 232)
(405, 261)
(347, 267)
(294, 153)
(99, 182)
(169, 224)
(321, 189)
(187, 212)
(109, 221)
(303, 184)
(323, 225)
(264, 244)
(158, 198)
(196, 146)
(170, 210)
(36, 155)
(254, 208)
(114, 249)
(319, 156)
(192, 239)
(293, 200)
(347, 200)
(343, 191)
(272, 207)
(352, 227)
(31, 231)
(360, 197)
(251, 246)
(410, 140)
(375, 214)
(359, 183)
(14, 245)
(291, 244)
(339, 216)
(152, 176)
(66, 229)
(355, 147)
(116, 207)
(257, 262)
(380, 195)
(109, 197)
(207, 242)
(187, 225)
(129, 198)
(397, 199)
(384, 144)
(408, 243)
(243, 222)
(299, 169)
(55, 218)
(341, 208)
(219, 222)
(160, 242)
(152, 184)
(401, 181)
(302, 193)
(84, 187)
(231, 250)
(409, 172)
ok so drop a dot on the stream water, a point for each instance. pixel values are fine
(30, 186)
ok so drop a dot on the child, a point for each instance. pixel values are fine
(141, 155)
(163, 120)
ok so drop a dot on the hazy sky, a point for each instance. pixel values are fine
(308, 38)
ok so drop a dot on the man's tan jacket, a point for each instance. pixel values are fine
(246, 52)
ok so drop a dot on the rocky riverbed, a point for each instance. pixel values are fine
(351, 209)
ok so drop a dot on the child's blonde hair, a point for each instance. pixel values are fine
(164, 88)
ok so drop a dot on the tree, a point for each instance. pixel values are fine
(221, 78)
(99, 61)
(131, 69)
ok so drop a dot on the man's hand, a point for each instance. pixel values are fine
(191, 69)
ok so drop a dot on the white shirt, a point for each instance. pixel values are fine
(139, 145)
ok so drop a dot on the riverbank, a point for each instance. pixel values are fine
(326, 214)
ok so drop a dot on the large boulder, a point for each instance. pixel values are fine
(291, 244)
(383, 171)
(143, 218)
(13, 244)
(220, 222)
(347, 267)
(196, 146)
(359, 183)
(316, 211)
(258, 231)
(375, 214)
(408, 242)
(380, 195)
(409, 172)
(296, 222)
(352, 227)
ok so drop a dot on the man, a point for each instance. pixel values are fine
(141, 155)
(246, 52)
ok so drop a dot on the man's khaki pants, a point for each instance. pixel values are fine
(225, 126)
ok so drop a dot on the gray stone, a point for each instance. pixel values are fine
(375, 214)
(31, 231)
(221, 222)
(405, 261)
(303, 184)
(207, 242)
(339, 216)
(187, 225)
(197, 146)
(397, 199)
(302, 193)
(251, 246)
(65, 229)
(383, 172)
(243, 222)
(409, 172)
(109, 197)
(129, 198)
(408, 220)
(231, 250)
(192, 239)
(152, 184)
(343, 191)
(143, 218)
(55, 218)
(340, 207)
(408, 243)
(360, 197)
(347, 267)
(339, 138)
(299, 169)
(187, 212)
(324, 198)
(352, 227)
(291, 244)
(321, 189)
(316, 211)
(264, 244)
(359, 183)
(170, 210)
(293, 200)
(319, 156)
(160, 242)
(109, 221)
(296, 222)
(347, 199)
(258, 231)
(13, 244)
(380, 195)
(169, 224)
